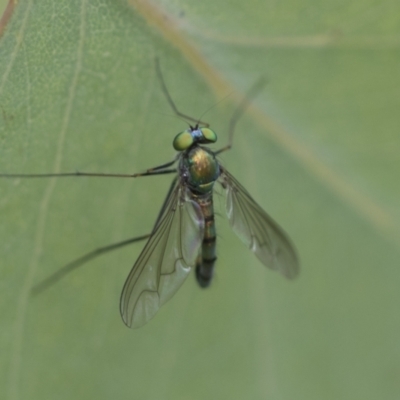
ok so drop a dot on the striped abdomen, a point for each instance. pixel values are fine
(206, 260)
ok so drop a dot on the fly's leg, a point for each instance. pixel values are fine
(171, 102)
(71, 266)
(66, 269)
(241, 108)
(158, 170)
(54, 278)
(162, 166)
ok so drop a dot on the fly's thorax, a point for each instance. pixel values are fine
(200, 169)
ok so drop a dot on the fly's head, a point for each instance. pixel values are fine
(193, 136)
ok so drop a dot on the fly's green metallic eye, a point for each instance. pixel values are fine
(209, 135)
(182, 141)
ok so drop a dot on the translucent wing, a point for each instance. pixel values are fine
(165, 261)
(257, 229)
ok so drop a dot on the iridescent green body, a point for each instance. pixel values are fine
(200, 170)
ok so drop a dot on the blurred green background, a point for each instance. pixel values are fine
(319, 150)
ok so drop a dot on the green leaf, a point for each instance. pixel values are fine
(318, 149)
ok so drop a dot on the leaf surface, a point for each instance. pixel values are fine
(318, 149)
